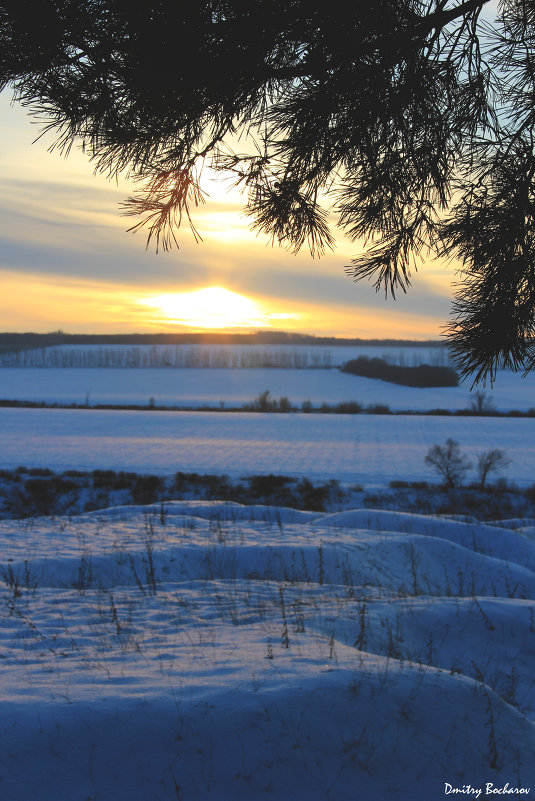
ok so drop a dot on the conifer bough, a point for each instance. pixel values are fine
(409, 123)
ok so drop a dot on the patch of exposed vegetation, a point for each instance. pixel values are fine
(35, 492)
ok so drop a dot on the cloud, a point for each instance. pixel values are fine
(283, 280)
(61, 227)
(48, 242)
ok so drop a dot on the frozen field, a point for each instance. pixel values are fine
(366, 449)
(196, 387)
(215, 651)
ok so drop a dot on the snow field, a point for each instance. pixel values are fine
(370, 450)
(216, 651)
(195, 387)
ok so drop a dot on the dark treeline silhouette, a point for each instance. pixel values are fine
(423, 375)
(34, 340)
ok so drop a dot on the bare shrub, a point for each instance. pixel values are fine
(447, 461)
(481, 403)
(490, 462)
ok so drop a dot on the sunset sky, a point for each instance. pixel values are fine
(67, 262)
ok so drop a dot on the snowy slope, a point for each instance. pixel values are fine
(217, 651)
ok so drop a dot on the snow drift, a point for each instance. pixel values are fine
(216, 651)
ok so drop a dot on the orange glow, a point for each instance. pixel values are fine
(212, 307)
(30, 302)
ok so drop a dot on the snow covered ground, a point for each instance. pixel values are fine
(367, 449)
(216, 651)
(206, 650)
(195, 387)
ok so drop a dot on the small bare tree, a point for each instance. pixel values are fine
(481, 403)
(447, 461)
(490, 462)
(264, 402)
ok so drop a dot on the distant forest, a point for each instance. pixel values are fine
(421, 375)
(12, 341)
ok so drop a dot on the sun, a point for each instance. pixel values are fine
(212, 307)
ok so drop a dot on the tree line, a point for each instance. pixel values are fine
(168, 356)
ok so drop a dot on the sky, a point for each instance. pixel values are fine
(67, 262)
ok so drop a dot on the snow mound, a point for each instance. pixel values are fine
(214, 510)
(220, 651)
